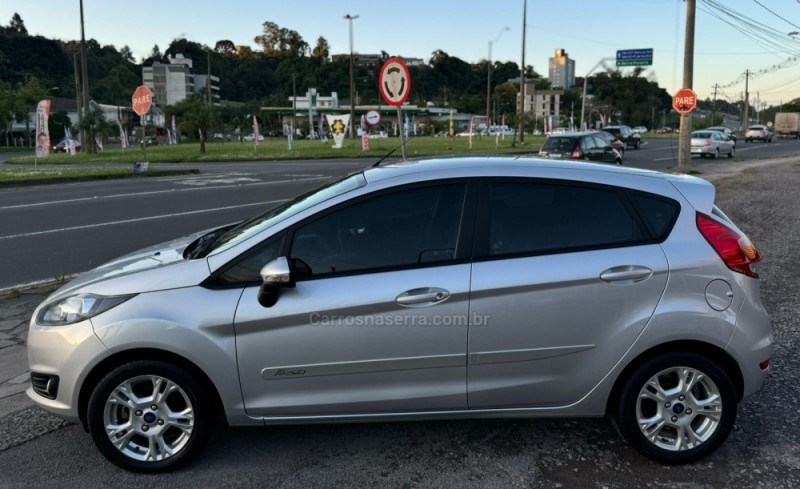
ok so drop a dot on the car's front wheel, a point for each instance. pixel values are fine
(676, 408)
(150, 416)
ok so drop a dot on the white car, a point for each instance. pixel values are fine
(251, 137)
(640, 129)
(712, 144)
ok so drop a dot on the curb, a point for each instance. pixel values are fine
(39, 284)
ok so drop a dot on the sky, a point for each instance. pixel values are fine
(589, 30)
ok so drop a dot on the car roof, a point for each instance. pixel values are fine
(502, 165)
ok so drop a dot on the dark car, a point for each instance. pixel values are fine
(63, 146)
(626, 135)
(724, 130)
(580, 146)
(613, 141)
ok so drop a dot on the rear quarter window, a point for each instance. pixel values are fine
(658, 213)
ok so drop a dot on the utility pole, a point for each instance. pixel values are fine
(521, 130)
(77, 85)
(745, 115)
(87, 139)
(351, 18)
(714, 107)
(294, 103)
(685, 146)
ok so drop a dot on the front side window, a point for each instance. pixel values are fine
(538, 218)
(248, 270)
(403, 228)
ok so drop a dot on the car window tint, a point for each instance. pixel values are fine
(535, 218)
(559, 144)
(588, 143)
(600, 142)
(402, 228)
(658, 213)
(248, 270)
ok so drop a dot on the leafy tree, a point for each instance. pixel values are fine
(17, 26)
(225, 46)
(126, 54)
(196, 118)
(56, 124)
(279, 41)
(322, 49)
(505, 98)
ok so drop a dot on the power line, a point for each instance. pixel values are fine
(775, 14)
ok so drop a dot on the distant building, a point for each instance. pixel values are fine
(542, 103)
(562, 70)
(373, 59)
(173, 82)
(320, 101)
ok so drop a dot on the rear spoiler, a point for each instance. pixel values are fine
(698, 192)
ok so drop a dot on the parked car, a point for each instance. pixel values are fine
(712, 144)
(640, 129)
(151, 140)
(664, 130)
(583, 292)
(63, 145)
(626, 135)
(758, 133)
(580, 146)
(612, 141)
(724, 130)
(252, 137)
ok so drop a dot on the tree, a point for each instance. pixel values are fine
(126, 54)
(322, 49)
(225, 46)
(196, 118)
(282, 42)
(28, 96)
(17, 26)
(505, 98)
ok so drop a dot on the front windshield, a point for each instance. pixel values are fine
(255, 225)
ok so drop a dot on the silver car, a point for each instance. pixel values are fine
(461, 288)
(712, 144)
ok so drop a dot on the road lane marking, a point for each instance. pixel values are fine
(153, 192)
(138, 219)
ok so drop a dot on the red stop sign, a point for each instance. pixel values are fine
(142, 100)
(684, 101)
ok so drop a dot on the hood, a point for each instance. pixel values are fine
(157, 267)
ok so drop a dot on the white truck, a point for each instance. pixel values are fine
(787, 125)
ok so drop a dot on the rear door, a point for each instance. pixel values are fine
(566, 276)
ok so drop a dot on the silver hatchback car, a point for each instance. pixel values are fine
(459, 288)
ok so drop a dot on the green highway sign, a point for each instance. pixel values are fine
(635, 57)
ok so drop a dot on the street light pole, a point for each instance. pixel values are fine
(350, 19)
(521, 129)
(586, 82)
(489, 79)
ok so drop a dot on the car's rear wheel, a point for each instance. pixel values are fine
(618, 161)
(150, 416)
(676, 408)
(732, 152)
(716, 154)
(636, 144)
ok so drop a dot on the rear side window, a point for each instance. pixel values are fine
(539, 218)
(559, 144)
(658, 213)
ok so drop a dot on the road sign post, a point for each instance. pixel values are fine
(395, 85)
(684, 101)
(141, 101)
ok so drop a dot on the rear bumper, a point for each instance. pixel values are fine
(703, 150)
(751, 344)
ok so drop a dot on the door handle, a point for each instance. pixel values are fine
(626, 274)
(423, 296)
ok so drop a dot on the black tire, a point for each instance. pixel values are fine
(636, 144)
(203, 424)
(624, 413)
(732, 152)
(716, 154)
(746, 140)
(618, 161)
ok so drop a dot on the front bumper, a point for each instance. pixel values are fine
(68, 352)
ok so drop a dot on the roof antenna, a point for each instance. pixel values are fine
(378, 163)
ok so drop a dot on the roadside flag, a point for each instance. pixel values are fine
(322, 134)
(471, 124)
(42, 131)
(452, 133)
(255, 130)
(123, 137)
(174, 132)
(407, 125)
(503, 125)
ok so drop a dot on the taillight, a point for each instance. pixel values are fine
(709, 142)
(576, 153)
(735, 249)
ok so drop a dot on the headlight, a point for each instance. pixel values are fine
(77, 308)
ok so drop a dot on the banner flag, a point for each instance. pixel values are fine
(255, 131)
(471, 125)
(42, 131)
(174, 132)
(323, 135)
(338, 124)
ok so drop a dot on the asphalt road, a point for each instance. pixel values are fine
(763, 450)
(50, 231)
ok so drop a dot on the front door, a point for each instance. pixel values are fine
(380, 324)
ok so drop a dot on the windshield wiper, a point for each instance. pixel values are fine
(204, 243)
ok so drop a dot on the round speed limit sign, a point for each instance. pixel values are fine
(395, 82)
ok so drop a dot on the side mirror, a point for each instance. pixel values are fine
(275, 275)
